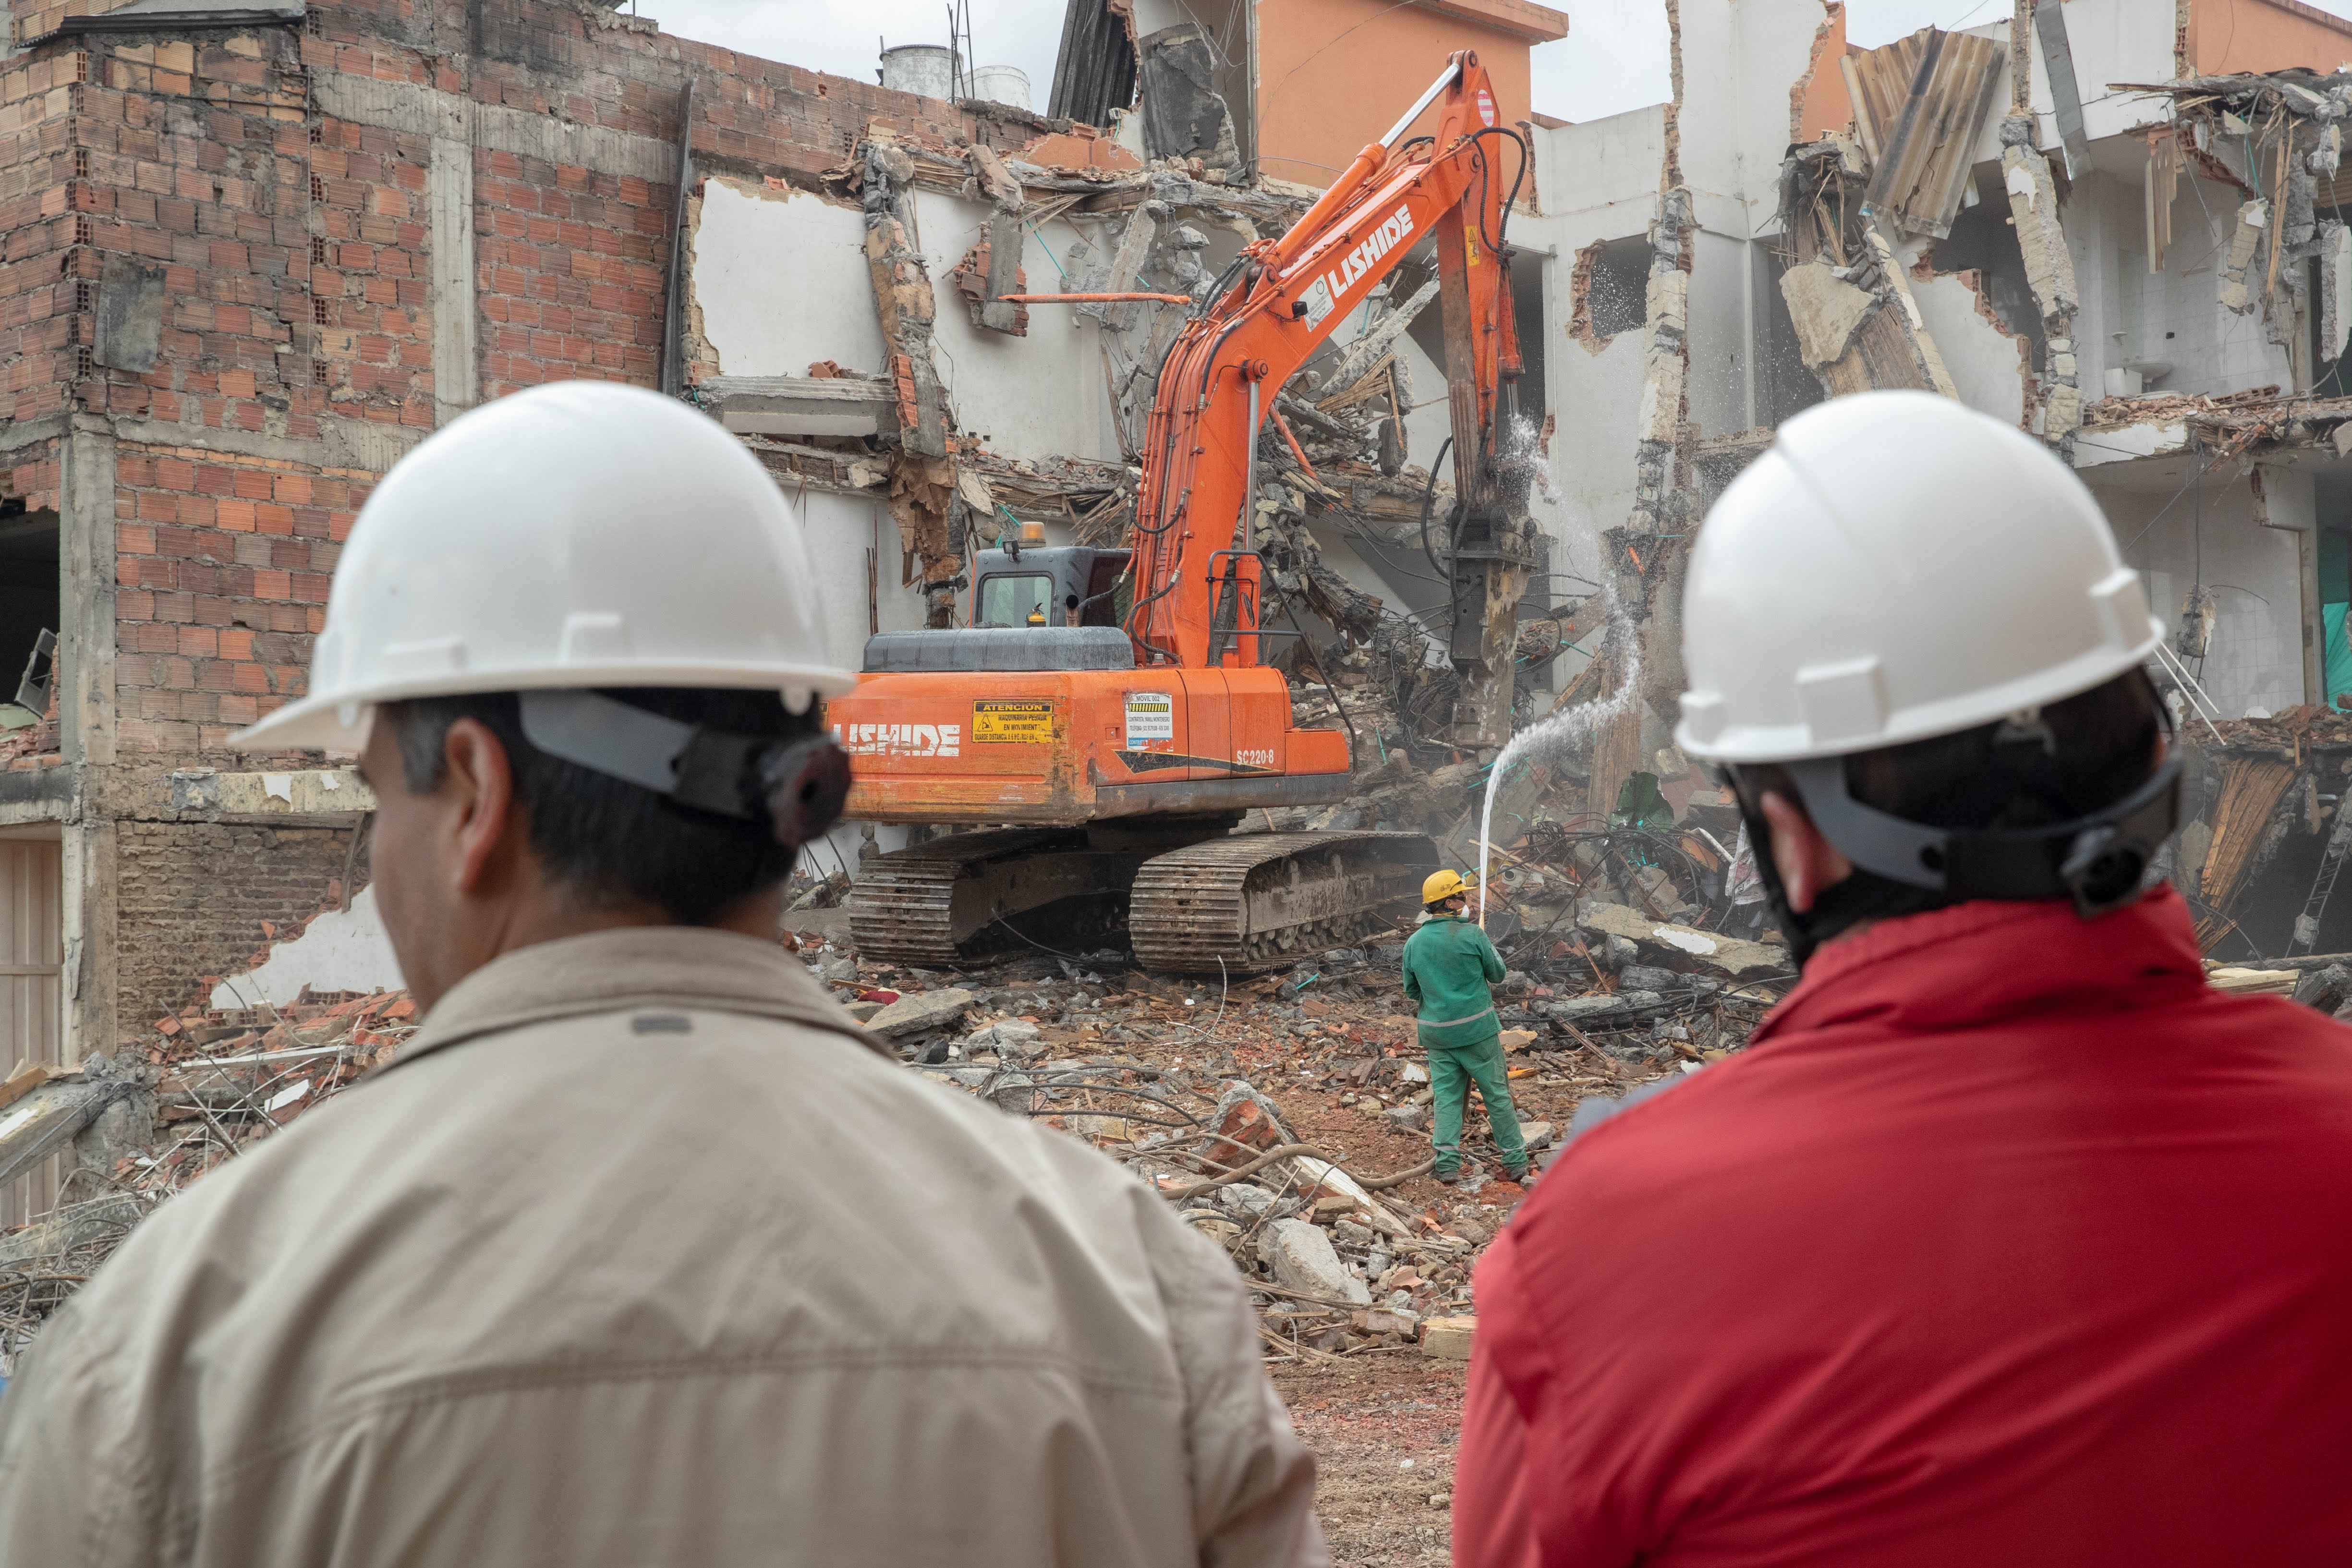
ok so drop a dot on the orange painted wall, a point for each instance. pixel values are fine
(2227, 36)
(1335, 74)
(1824, 105)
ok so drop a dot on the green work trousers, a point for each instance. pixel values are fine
(1452, 1070)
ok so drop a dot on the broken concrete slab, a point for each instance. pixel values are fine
(1448, 1338)
(42, 1122)
(1727, 955)
(1826, 311)
(1321, 1176)
(802, 405)
(1302, 1259)
(923, 1010)
(29, 1077)
(1183, 116)
(1247, 1199)
(1584, 1011)
(73, 1225)
(2245, 246)
(1006, 1037)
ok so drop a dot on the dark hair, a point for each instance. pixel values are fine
(612, 841)
(2102, 747)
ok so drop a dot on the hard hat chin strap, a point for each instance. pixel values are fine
(798, 784)
(2099, 861)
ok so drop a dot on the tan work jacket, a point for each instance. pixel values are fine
(639, 1255)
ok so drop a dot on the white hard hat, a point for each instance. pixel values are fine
(580, 534)
(1897, 566)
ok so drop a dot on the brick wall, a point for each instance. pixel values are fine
(370, 302)
(195, 154)
(36, 18)
(222, 571)
(572, 269)
(295, 249)
(44, 243)
(193, 898)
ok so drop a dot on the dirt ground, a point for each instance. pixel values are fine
(1383, 1425)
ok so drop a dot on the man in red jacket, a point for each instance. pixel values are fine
(2006, 1241)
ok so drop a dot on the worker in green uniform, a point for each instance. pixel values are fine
(1448, 967)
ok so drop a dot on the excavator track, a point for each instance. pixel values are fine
(1247, 905)
(970, 896)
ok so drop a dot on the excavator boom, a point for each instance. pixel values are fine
(1220, 374)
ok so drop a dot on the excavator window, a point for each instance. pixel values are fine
(1011, 599)
(1108, 593)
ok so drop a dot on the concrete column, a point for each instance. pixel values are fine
(2314, 631)
(86, 713)
(86, 565)
(449, 195)
(89, 914)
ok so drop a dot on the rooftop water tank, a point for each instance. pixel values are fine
(1000, 84)
(925, 68)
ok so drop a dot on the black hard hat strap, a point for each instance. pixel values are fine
(2098, 861)
(798, 784)
(1863, 896)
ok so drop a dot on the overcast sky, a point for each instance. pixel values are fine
(1614, 57)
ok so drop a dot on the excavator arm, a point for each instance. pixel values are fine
(1196, 572)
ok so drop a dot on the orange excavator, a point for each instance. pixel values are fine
(1109, 714)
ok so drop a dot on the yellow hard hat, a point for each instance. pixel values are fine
(1441, 886)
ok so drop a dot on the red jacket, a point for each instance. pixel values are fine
(2009, 1241)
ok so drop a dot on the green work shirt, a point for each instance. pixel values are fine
(1448, 964)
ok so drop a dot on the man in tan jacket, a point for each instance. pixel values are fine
(639, 1253)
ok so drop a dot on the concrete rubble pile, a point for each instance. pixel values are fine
(1286, 1118)
(2283, 132)
(136, 1126)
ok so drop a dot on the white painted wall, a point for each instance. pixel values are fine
(338, 951)
(781, 281)
(1036, 396)
(2111, 41)
(840, 529)
(2175, 314)
(1720, 379)
(1600, 164)
(2256, 660)
(1598, 181)
(1984, 362)
(1740, 58)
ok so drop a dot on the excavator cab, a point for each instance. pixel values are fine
(1049, 586)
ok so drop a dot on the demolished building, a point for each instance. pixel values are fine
(2117, 226)
(259, 251)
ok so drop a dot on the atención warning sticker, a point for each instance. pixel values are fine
(1011, 721)
(1150, 719)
